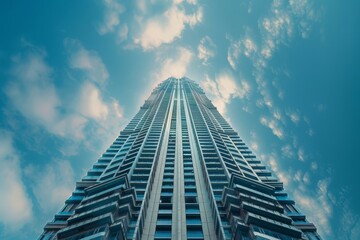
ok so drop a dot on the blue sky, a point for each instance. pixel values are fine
(284, 73)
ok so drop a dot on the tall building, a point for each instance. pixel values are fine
(179, 171)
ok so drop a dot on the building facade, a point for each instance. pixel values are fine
(179, 171)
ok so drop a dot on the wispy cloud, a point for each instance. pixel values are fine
(254, 146)
(175, 66)
(308, 194)
(87, 61)
(294, 117)
(301, 154)
(167, 26)
(53, 186)
(245, 47)
(90, 103)
(274, 29)
(249, 47)
(81, 117)
(224, 88)
(278, 26)
(111, 21)
(350, 222)
(304, 10)
(32, 92)
(149, 24)
(310, 200)
(16, 205)
(287, 151)
(234, 53)
(102, 113)
(273, 124)
(314, 166)
(123, 33)
(272, 161)
(206, 49)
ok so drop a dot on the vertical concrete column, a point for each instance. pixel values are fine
(208, 224)
(179, 217)
(153, 206)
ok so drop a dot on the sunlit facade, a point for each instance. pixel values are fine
(179, 171)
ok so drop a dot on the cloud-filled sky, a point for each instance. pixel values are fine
(284, 73)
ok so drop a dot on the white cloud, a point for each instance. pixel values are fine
(32, 92)
(309, 203)
(227, 87)
(149, 24)
(305, 12)
(294, 116)
(254, 146)
(116, 109)
(223, 89)
(278, 25)
(206, 49)
(166, 27)
(33, 82)
(273, 163)
(287, 151)
(306, 197)
(245, 46)
(350, 223)
(102, 113)
(314, 166)
(265, 93)
(268, 48)
(113, 9)
(123, 33)
(277, 114)
(71, 126)
(302, 178)
(141, 5)
(276, 28)
(53, 186)
(234, 53)
(103, 134)
(301, 154)
(249, 47)
(106, 115)
(90, 103)
(16, 206)
(175, 66)
(87, 61)
(274, 126)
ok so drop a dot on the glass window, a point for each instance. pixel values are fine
(165, 199)
(195, 233)
(192, 208)
(163, 232)
(193, 220)
(190, 199)
(164, 220)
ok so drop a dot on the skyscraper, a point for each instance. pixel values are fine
(179, 171)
